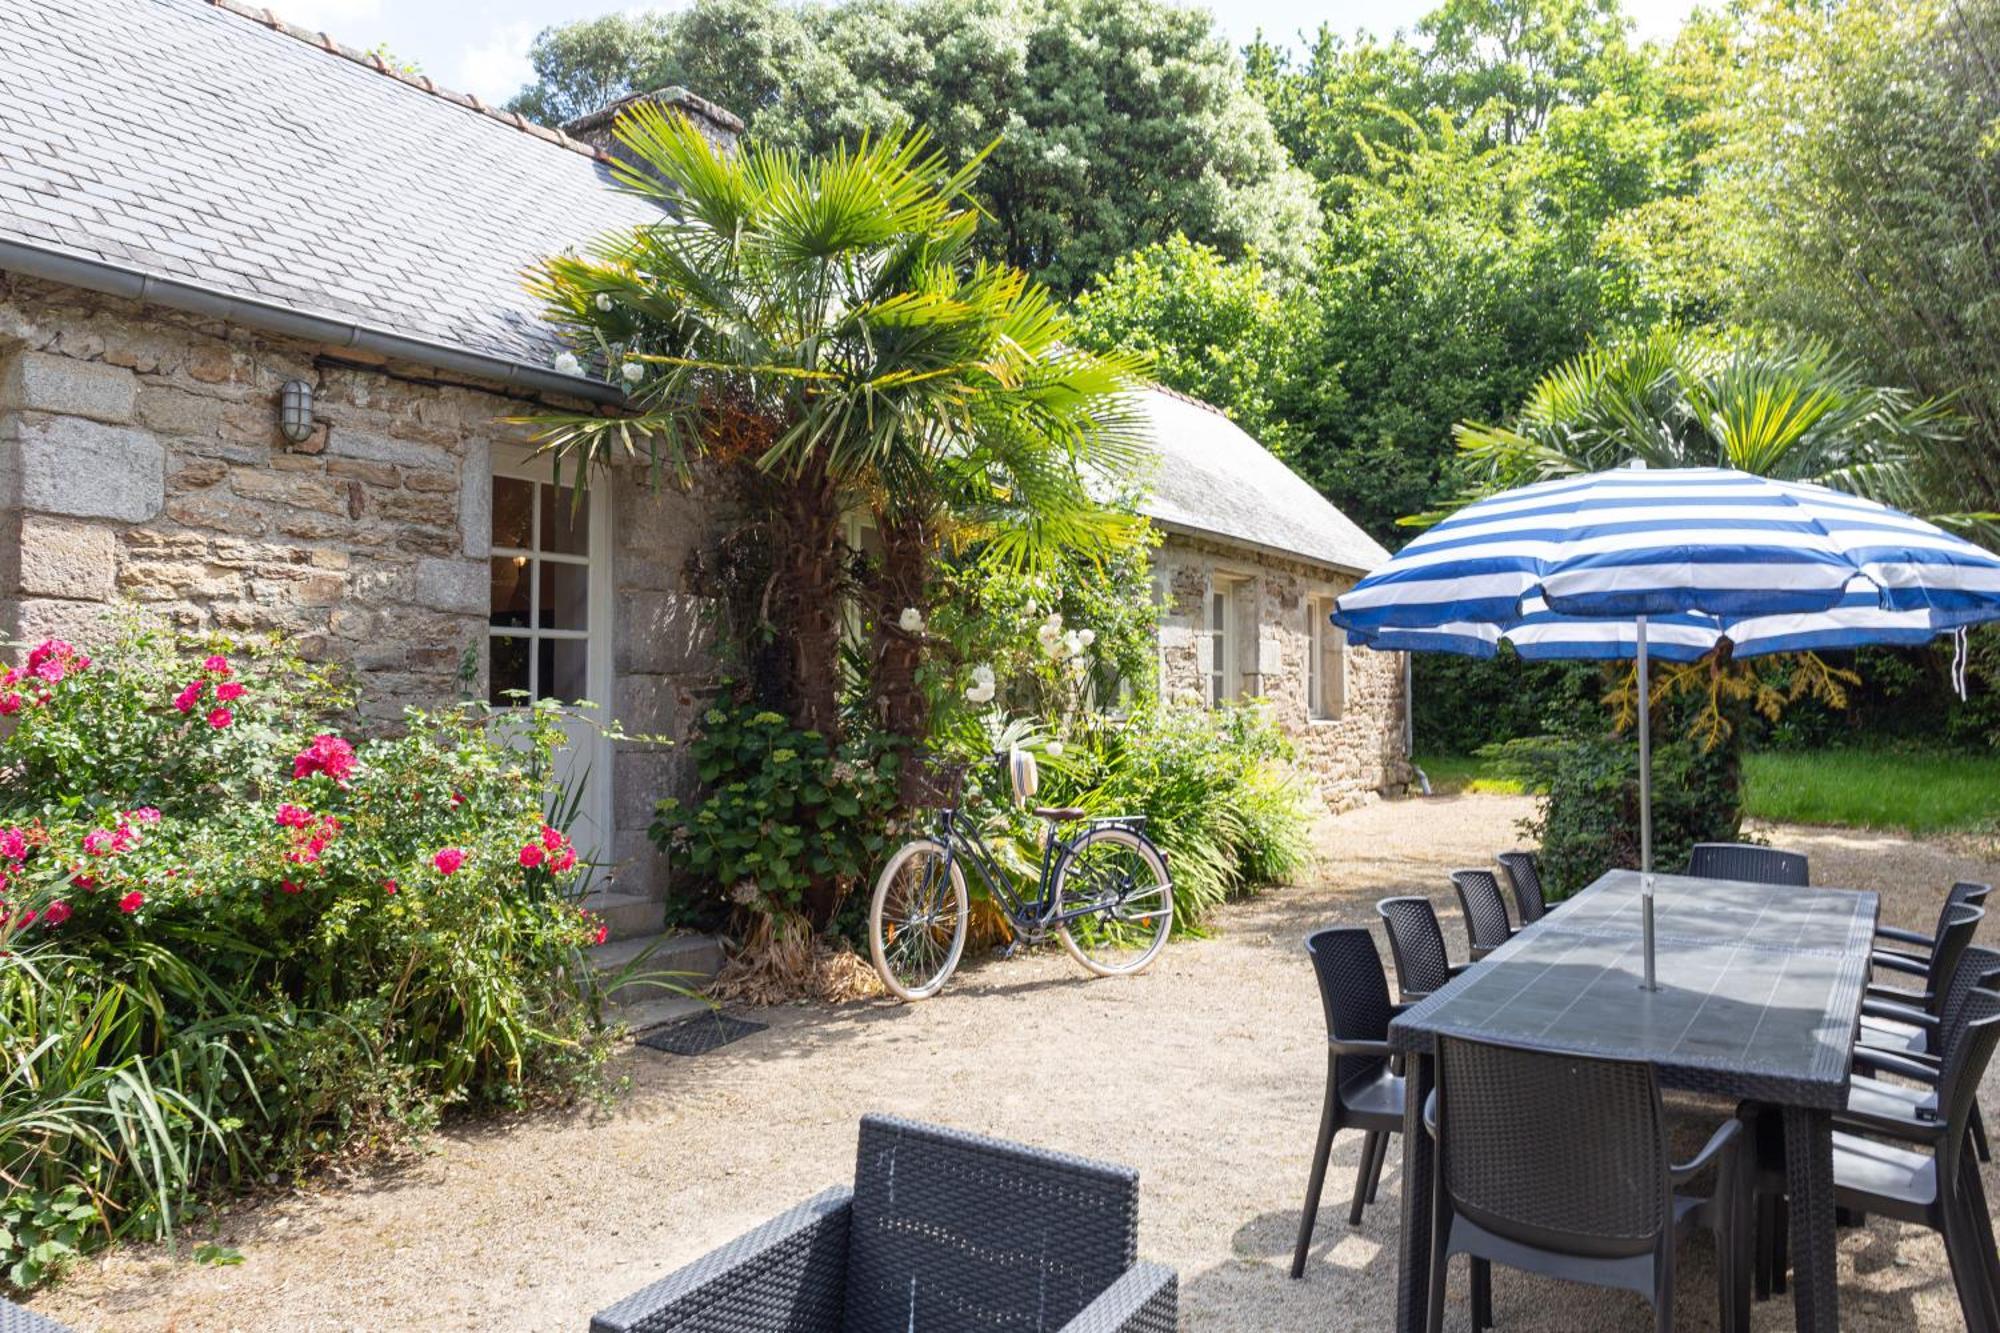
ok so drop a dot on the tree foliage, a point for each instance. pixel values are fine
(1119, 122)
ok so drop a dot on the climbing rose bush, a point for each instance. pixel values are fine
(325, 938)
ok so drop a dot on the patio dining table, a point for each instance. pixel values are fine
(1760, 999)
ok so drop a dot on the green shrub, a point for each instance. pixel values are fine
(233, 942)
(783, 813)
(1216, 787)
(1588, 820)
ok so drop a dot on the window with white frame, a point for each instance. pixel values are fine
(540, 630)
(1326, 662)
(1220, 658)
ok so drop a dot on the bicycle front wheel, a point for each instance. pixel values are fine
(917, 921)
(1118, 881)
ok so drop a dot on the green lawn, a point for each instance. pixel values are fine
(1922, 793)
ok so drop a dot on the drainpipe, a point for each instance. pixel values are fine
(1410, 725)
(95, 275)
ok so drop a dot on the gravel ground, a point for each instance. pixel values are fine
(1205, 1074)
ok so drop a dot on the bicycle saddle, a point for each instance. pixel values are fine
(1059, 813)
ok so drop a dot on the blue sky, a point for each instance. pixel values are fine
(481, 46)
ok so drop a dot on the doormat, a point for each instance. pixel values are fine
(700, 1034)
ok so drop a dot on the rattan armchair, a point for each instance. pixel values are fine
(942, 1231)
(1524, 872)
(14, 1319)
(1416, 942)
(1910, 951)
(1599, 1203)
(1363, 1091)
(1486, 924)
(1749, 863)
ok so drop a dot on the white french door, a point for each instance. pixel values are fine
(549, 622)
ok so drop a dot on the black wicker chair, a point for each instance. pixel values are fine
(943, 1231)
(1362, 1092)
(1486, 924)
(1933, 1181)
(1747, 862)
(1909, 950)
(14, 1319)
(1896, 1019)
(1524, 872)
(1416, 942)
(1598, 1203)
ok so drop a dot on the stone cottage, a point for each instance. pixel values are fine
(1246, 573)
(261, 321)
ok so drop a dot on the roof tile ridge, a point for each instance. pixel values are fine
(421, 82)
(1189, 399)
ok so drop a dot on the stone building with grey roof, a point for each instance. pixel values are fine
(200, 205)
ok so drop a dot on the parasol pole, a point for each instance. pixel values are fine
(1646, 802)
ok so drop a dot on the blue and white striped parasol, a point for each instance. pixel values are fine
(1672, 562)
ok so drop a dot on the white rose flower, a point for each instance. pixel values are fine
(567, 364)
(979, 694)
(1073, 644)
(1086, 637)
(982, 674)
(604, 301)
(1053, 749)
(911, 621)
(632, 371)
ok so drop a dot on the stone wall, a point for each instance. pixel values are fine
(1350, 757)
(140, 462)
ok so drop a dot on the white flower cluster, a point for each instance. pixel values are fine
(982, 687)
(567, 364)
(911, 621)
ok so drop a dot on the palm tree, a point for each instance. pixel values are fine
(1672, 397)
(821, 322)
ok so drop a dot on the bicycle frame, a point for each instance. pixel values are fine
(961, 835)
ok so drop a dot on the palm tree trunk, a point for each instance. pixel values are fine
(807, 599)
(905, 582)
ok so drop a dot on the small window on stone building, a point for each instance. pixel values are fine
(1326, 661)
(539, 609)
(1222, 643)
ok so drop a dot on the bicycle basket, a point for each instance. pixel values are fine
(931, 781)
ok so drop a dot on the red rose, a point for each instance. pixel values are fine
(288, 886)
(552, 838)
(448, 860)
(131, 902)
(189, 697)
(228, 690)
(532, 854)
(54, 914)
(220, 718)
(327, 754)
(388, 886)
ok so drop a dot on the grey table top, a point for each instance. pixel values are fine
(1760, 986)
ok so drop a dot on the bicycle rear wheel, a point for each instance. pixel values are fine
(917, 921)
(1120, 881)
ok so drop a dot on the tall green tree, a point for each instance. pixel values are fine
(1864, 135)
(821, 323)
(1119, 122)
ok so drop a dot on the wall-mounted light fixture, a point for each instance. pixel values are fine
(295, 411)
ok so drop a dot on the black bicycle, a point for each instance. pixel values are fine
(1103, 889)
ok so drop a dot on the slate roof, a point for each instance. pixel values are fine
(204, 142)
(184, 140)
(1214, 479)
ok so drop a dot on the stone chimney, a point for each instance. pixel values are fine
(720, 127)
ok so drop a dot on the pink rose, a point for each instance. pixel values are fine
(98, 841)
(327, 754)
(13, 844)
(551, 838)
(216, 665)
(189, 697)
(563, 860)
(293, 816)
(220, 718)
(448, 860)
(145, 814)
(10, 704)
(532, 854)
(229, 690)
